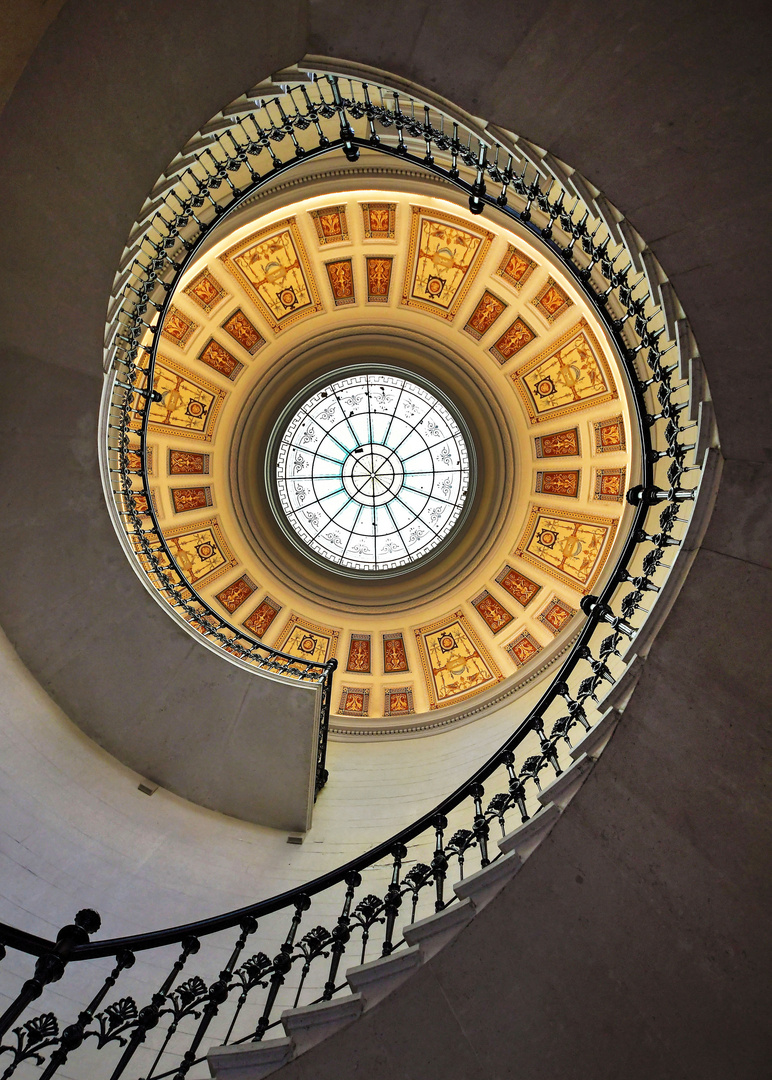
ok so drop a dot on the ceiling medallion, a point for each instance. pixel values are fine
(370, 473)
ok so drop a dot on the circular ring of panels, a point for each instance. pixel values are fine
(372, 472)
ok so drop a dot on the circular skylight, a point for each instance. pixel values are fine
(372, 472)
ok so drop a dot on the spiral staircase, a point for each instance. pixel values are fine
(642, 894)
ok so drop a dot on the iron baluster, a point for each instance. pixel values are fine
(516, 786)
(460, 841)
(341, 933)
(480, 825)
(414, 880)
(350, 150)
(477, 197)
(281, 965)
(370, 113)
(310, 946)
(367, 914)
(250, 974)
(439, 860)
(393, 900)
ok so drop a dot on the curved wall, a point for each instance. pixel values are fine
(669, 835)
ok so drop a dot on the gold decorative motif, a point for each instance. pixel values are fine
(378, 278)
(241, 330)
(331, 226)
(494, 613)
(559, 444)
(455, 663)
(609, 435)
(398, 701)
(354, 701)
(523, 648)
(189, 405)
(556, 615)
(379, 220)
(571, 547)
(570, 375)
(359, 654)
(220, 360)
(200, 551)
(513, 340)
(341, 278)
(183, 463)
(564, 483)
(551, 301)
(190, 498)
(273, 267)
(178, 327)
(444, 256)
(234, 595)
(205, 290)
(515, 267)
(488, 309)
(609, 485)
(262, 617)
(518, 585)
(394, 655)
(307, 640)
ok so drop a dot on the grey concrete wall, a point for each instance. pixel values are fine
(634, 944)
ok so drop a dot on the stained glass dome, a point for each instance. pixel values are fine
(372, 472)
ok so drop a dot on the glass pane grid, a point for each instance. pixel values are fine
(372, 472)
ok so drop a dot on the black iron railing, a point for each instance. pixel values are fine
(353, 913)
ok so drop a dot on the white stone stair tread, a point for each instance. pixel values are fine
(527, 837)
(482, 886)
(249, 1061)
(435, 931)
(378, 978)
(563, 788)
(597, 737)
(311, 1024)
(620, 693)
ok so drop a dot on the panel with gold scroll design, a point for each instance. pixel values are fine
(359, 654)
(237, 593)
(609, 435)
(394, 655)
(354, 701)
(190, 498)
(308, 640)
(379, 220)
(609, 485)
(491, 611)
(273, 267)
(378, 278)
(551, 301)
(514, 338)
(205, 290)
(219, 359)
(455, 663)
(570, 375)
(398, 701)
(516, 267)
(134, 460)
(189, 405)
(200, 550)
(556, 615)
(523, 648)
(489, 308)
(244, 332)
(518, 585)
(559, 444)
(178, 327)
(341, 277)
(183, 463)
(571, 547)
(444, 256)
(331, 225)
(261, 618)
(564, 483)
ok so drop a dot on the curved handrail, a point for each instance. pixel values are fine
(593, 267)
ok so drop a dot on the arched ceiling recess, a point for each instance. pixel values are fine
(378, 264)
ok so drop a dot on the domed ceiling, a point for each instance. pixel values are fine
(390, 275)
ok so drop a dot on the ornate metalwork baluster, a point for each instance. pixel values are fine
(282, 963)
(516, 786)
(346, 131)
(480, 825)
(393, 900)
(310, 946)
(341, 933)
(439, 860)
(367, 914)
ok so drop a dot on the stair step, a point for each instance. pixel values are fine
(434, 932)
(527, 837)
(312, 1024)
(621, 691)
(482, 886)
(249, 1061)
(596, 738)
(376, 979)
(563, 788)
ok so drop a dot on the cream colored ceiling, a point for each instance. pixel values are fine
(498, 640)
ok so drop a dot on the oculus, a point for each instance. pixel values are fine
(371, 472)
